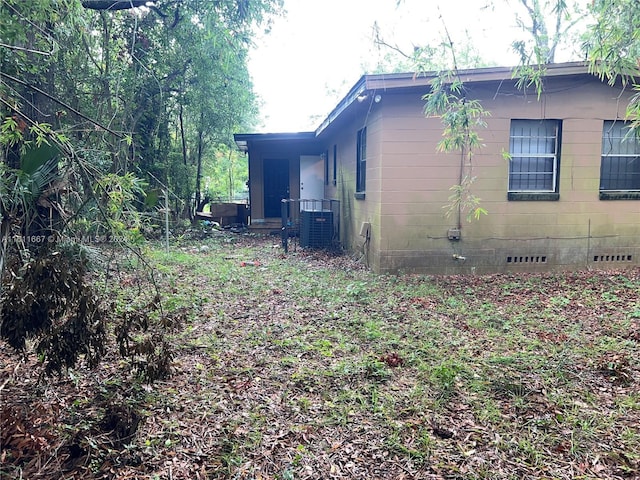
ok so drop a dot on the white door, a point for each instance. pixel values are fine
(311, 181)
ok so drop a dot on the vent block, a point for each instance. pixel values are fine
(617, 258)
(526, 259)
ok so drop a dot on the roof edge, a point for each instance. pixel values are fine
(242, 139)
(386, 81)
(349, 98)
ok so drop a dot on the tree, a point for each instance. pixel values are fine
(613, 47)
(424, 57)
(461, 117)
(613, 41)
(548, 24)
(225, 178)
(141, 100)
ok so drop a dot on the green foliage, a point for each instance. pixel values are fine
(45, 295)
(121, 196)
(613, 43)
(141, 101)
(32, 187)
(528, 76)
(461, 117)
(548, 25)
(10, 134)
(49, 299)
(463, 200)
(445, 375)
(613, 47)
(167, 84)
(226, 176)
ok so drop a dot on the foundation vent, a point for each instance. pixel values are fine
(612, 258)
(527, 259)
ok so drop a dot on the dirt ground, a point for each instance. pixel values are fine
(306, 366)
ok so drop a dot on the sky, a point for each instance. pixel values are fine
(314, 54)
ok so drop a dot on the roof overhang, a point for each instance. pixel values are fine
(378, 83)
(244, 140)
(369, 85)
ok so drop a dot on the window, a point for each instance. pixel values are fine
(325, 157)
(620, 161)
(335, 164)
(361, 161)
(534, 159)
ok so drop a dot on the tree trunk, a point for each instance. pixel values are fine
(230, 173)
(199, 163)
(184, 142)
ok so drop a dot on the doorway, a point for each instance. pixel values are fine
(276, 186)
(311, 181)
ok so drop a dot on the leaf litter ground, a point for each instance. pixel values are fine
(307, 366)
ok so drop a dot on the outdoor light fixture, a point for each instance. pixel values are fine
(363, 96)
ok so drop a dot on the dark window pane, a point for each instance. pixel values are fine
(620, 165)
(361, 160)
(533, 155)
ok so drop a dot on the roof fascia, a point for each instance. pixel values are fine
(242, 140)
(383, 82)
(358, 89)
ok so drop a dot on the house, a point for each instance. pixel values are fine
(558, 174)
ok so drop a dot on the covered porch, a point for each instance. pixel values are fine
(282, 166)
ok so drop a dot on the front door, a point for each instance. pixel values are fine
(276, 186)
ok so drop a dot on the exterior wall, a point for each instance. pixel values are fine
(410, 184)
(356, 211)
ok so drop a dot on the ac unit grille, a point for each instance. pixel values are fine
(316, 228)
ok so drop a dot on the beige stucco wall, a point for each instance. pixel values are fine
(408, 185)
(356, 211)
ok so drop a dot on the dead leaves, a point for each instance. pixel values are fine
(392, 359)
(308, 368)
(616, 367)
(26, 431)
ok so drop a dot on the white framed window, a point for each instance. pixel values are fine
(620, 161)
(534, 153)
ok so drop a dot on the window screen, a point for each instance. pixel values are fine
(620, 165)
(361, 164)
(533, 155)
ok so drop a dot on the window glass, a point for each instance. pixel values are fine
(620, 164)
(533, 155)
(335, 164)
(361, 161)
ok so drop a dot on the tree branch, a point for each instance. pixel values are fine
(59, 102)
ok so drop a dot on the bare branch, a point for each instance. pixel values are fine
(59, 102)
